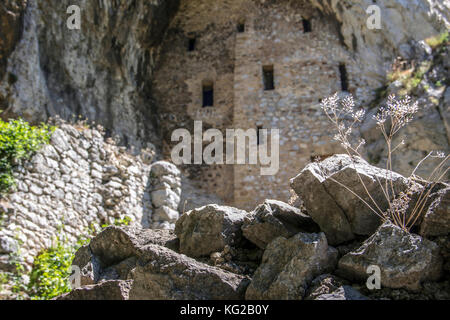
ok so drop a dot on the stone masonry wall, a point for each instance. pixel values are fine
(306, 68)
(235, 39)
(77, 180)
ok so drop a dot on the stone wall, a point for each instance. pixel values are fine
(76, 181)
(307, 67)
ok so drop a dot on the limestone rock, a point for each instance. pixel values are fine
(436, 221)
(273, 219)
(164, 274)
(166, 191)
(115, 244)
(289, 265)
(405, 259)
(107, 290)
(166, 214)
(338, 212)
(209, 229)
(165, 197)
(164, 168)
(151, 271)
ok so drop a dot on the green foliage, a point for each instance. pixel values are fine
(18, 140)
(51, 270)
(125, 221)
(438, 40)
(50, 273)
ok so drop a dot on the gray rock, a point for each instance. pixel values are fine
(405, 259)
(107, 290)
(343, 293)
(60, 140)
(152, 271)
(338, 212)
(273, 219)
(330, 287)
(164, 168)
(165, 197)
(289, 265)
(323, 284)
(436, 221)
(208, 229)
(164, 274)
(166, 214)
(115, 244)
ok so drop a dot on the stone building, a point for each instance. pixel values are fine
(249, 64)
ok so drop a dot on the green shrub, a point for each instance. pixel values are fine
(51, 270)
(18, 141)
(438, 40)
(49, 277)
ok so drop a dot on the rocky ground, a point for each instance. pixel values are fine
(276, 251)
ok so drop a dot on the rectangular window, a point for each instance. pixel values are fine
(241, 27)
(191, 44)
(306, 26)
(258, 135)
(343, 76)
(208, 95)
(268, 78)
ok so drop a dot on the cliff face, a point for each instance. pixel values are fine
(100, 72)
(11, 20)
(402, 22)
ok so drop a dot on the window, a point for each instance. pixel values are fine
(258, 135)
(306, 26)
(241, 27)
(191, 44)
(208, 94)
(268, 78)
(343, 76)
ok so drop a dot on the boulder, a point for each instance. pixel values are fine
(152, 270)
(107, 290)
(339, 212)
(405, 259)
(164, 168)
(274, 219)
(436, 221)
(289, 265)
(115, 244)
(209, 229)
(164, 274)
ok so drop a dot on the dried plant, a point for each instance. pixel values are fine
(390, 119)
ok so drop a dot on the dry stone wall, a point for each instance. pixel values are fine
(77, 181)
